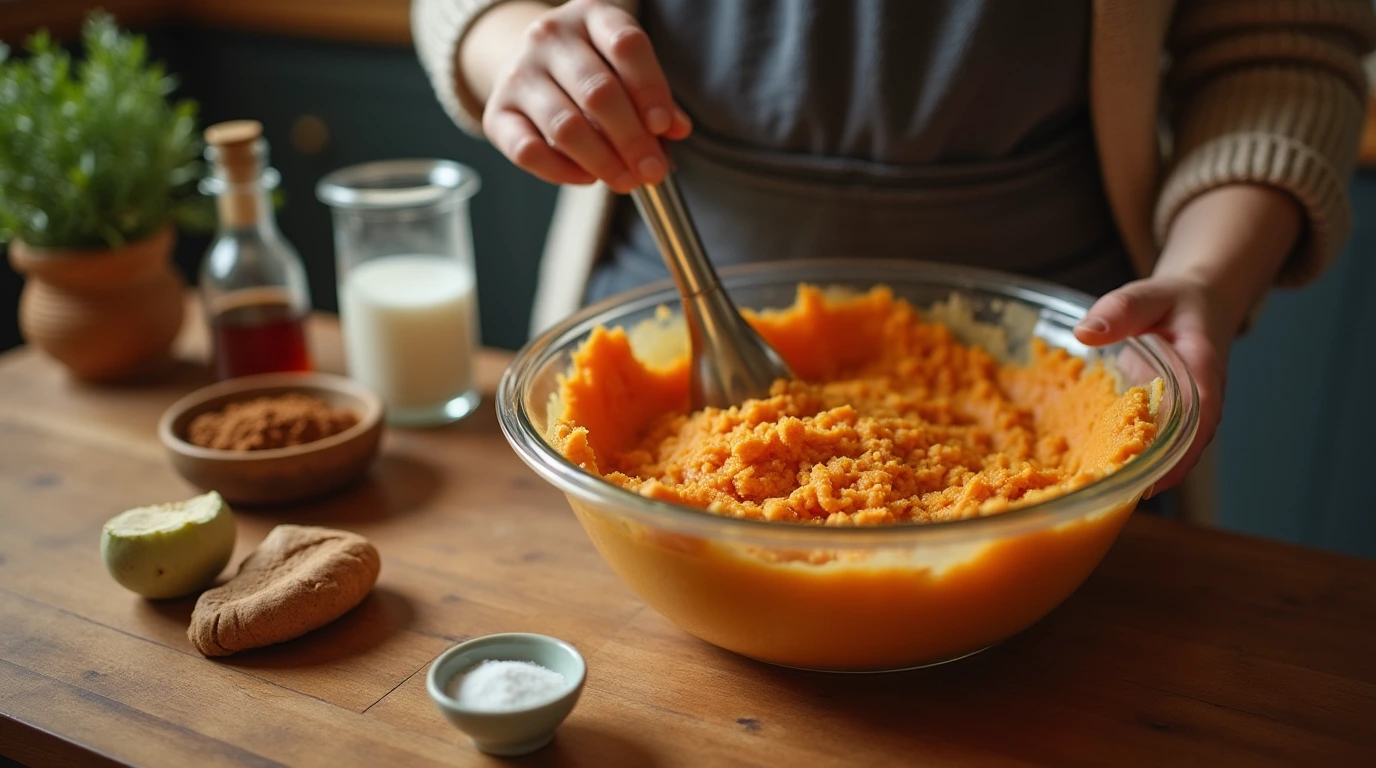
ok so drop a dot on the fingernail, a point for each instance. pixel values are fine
(657, 120)
(1093, 325)
(625, 182)
(651, 169)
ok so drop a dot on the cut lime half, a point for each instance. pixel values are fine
(169, 550)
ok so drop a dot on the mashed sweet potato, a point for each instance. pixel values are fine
(892, 420)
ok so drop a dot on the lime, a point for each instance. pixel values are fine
(169, 550)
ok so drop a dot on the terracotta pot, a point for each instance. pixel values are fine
(107, 315)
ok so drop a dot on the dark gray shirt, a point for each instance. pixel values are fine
(947, 130)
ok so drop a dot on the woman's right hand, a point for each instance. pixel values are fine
(585, 99)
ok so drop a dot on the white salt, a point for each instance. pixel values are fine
(505, 686)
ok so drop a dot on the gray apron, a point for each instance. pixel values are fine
(899, 162)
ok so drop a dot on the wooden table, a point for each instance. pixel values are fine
(1186, 647)
(385, 22)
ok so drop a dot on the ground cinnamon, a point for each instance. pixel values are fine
(278, 421)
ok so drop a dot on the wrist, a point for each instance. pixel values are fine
(489, 43)
(1232, 242)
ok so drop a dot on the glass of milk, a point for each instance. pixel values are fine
(407, 289)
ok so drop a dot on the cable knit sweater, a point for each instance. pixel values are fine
(1254, 91)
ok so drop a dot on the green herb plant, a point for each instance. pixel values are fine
(94, 154)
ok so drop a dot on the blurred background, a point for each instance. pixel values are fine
(336, 82)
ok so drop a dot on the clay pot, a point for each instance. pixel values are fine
(108, 315)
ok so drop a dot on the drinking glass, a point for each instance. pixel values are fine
(407, 287)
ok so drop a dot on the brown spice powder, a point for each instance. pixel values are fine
(278, 421)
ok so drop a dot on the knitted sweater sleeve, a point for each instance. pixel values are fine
(1269, 92)
(438, 26)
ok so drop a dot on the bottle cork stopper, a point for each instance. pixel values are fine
(235, 143)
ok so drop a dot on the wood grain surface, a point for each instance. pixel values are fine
(1186, 647)
(63, 18)
(366, 21)
(385, 22)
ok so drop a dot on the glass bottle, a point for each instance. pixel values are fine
(252, 282)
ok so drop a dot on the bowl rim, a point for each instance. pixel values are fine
(1100, 497)
(248, 387)
(436, 687)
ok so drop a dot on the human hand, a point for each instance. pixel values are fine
(583, 99)
(1223, 252)
(1179, 310)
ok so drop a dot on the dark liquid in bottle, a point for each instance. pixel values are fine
(259, 332)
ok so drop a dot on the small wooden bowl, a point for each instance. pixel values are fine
(276, 475)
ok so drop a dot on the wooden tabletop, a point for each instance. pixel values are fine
(385, 22)
(1186, 647)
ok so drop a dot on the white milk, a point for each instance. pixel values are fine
(410, 329)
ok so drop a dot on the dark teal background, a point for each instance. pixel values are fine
(376, 103)
(1297, 447)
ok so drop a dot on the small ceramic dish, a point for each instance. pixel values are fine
(515, 732)
(276, 475)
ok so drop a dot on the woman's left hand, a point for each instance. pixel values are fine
(1223, 252)
(1178, 310)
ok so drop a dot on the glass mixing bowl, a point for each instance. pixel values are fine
(861, 598)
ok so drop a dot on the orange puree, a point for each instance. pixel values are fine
(892, 420)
